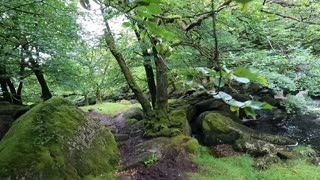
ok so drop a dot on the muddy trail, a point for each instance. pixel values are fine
(135, 150)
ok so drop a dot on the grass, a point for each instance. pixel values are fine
(109, 108)
(242, 168)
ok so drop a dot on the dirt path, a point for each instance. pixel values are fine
(130, 140)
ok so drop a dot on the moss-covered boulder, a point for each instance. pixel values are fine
(55, 140)
(167, 124)
(218, 128)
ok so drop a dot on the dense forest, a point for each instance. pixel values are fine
(209, 89)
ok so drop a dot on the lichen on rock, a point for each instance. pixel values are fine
(55, 140)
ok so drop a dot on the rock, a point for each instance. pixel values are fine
(8, 114)
(121, 137)
(222, 150)
(5, 124)
(133, 113)
(125, 102)
(167, 124)
(55, 140)
(123, 177)
(316, 161)
(266, 161)
(218, 129)
(257, 147)
(134, 101)
(137, 161)
(160, 147)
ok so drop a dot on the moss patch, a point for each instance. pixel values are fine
(50, 142)
(109, 108)
(242, 168)
(167, 124)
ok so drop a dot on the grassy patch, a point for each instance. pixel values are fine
(242, 167)
(109, 108)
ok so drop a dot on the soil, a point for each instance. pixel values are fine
(172, 166)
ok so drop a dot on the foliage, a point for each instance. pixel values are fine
(200, 78)
(295, 103)
(152, 159)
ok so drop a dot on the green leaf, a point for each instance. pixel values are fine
(235, 109)
(126, 24)
(235, 103)
(222, 95)
(250, 112)
(217, 80)
(154, 8)
(246, 73)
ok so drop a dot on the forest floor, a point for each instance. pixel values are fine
(169, 167)
(218, 162)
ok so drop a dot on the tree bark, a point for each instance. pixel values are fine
(126, 71)
(14, 95)
(3, 82)
(148, 68)
(5, 91)
(45, 91)
(162, 78)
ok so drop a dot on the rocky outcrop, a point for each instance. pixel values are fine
(55, 140)
(8, 114)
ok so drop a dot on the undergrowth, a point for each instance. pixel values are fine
(242, 168)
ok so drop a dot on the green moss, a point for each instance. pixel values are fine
(304, 152)
(242, 168)
(39, 144)
(167, 124)
(109, 108)
(190, 144)
(216, 121)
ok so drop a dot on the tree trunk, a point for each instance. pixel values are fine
(3, 82)
(162, 78)
(98, 95)
(15, 97)
(148, 68)
(126, 71)
(5, 91)
(45, 92)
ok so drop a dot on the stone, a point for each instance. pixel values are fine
(218, 129)
(121, 137)
(56, 140)
(133, 113)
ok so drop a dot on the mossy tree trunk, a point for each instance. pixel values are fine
(162, 78)
(147, 66)
(125, 69)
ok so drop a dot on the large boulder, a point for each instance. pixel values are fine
(55, 140)
(218, 128)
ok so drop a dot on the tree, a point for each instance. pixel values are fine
(33, 33)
